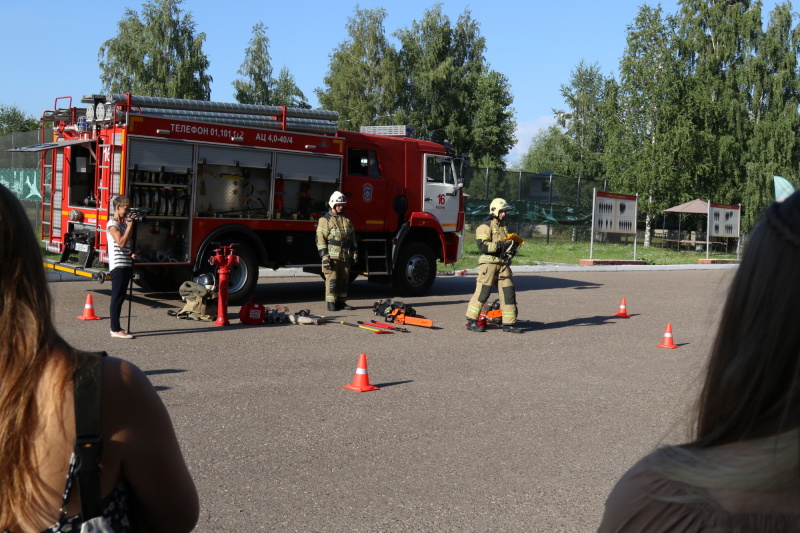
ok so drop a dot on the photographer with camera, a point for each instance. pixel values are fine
(120, 259)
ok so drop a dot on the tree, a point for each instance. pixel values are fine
(449, 90)
(583, 123)
(774, 145)
(13, 120)
(286, 92)
(649, 137)
(259, 87)
(547, 153)
(717, 42)
(258, 84)
(363, 77)
(492, 125)
(157, 55)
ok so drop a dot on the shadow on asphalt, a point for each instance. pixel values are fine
(393, 383)
(581, 321)
(164, 371)
(159, 300)
(271, 292)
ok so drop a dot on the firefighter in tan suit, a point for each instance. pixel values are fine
(336, 244)
(494, 268)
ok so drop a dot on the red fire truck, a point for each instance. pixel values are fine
(207, 174)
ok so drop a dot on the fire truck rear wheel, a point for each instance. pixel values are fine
(242, 278)
(415, 271)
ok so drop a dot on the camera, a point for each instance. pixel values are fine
(137, 213)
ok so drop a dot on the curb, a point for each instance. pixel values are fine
(595, 268)
(521, 269)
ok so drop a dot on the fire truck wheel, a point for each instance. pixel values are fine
(415, 271)
(242, 278)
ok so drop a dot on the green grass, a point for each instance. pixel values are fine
(562, 250)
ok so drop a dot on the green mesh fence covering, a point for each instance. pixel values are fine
(533, 213)
(23, 182)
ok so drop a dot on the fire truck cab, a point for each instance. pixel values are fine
(205, 174)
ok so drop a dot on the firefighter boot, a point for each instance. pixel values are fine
(342, 305)
(472, 325)
(331, 306)
(510, 328)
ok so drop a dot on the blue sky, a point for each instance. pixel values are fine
(50, 47)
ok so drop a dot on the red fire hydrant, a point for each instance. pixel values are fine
(223, 258)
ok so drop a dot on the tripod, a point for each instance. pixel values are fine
(134, 221)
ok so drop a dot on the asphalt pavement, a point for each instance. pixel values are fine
(468, 432)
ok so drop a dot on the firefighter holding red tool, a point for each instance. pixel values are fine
(497, 248)
(336, 244)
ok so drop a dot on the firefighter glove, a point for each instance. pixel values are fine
(326, 263)
(355, 258)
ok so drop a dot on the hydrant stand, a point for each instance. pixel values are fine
(223, 258)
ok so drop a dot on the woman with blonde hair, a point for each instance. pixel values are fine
(741, 472)
(144, 482)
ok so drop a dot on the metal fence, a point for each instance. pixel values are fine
(19, 159)
(544, 203)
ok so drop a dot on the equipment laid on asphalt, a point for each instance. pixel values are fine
(384, 308)
(361, 379)
(374, 330)
(279, 315)
(199, 297)
(252, 313)
(399, 317)
(301, 318)
(491, 315)
(385, 326)
(399, 313)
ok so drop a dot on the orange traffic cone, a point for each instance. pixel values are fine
(623, 310)
(88, 309)
(361, 379)
(667, 342)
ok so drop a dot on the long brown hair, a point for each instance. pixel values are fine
(27, 341)
(752, 386)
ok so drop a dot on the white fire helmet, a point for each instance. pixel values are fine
(207, 280)
(337, 198)
(497, 205)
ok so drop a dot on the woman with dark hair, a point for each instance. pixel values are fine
(741, 472)
(120, 260)
(144, 482)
